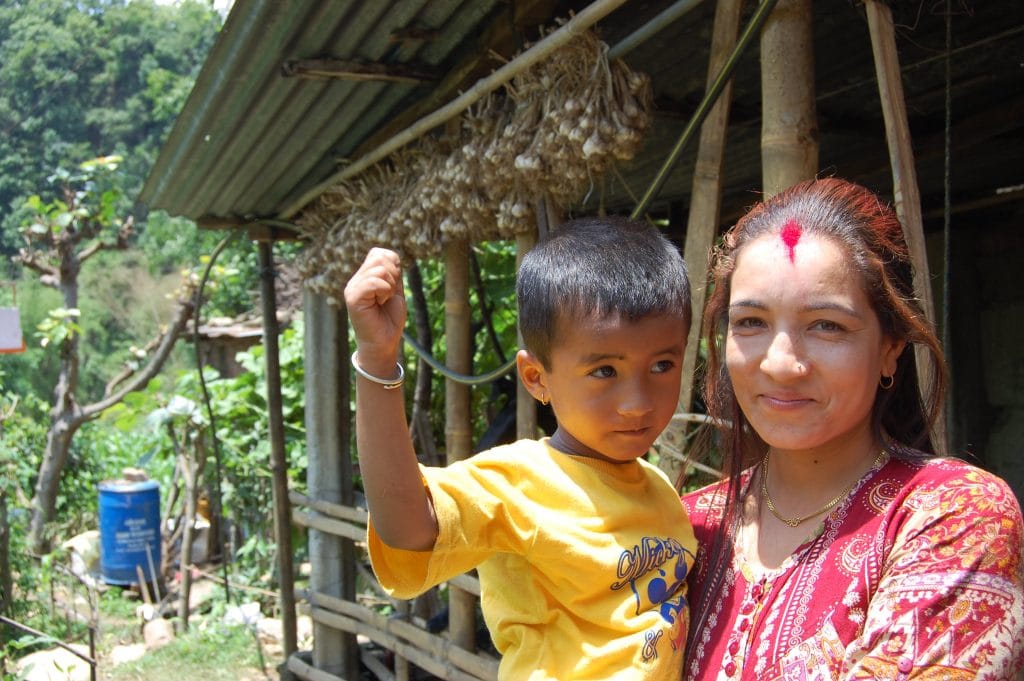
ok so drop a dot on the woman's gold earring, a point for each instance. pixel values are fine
(544, 400)
(886, 385)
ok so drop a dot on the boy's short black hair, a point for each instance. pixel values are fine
(598, 266)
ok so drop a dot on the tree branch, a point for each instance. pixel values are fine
(48, 274)
(128, 370)
(124, 232)
(185, 310)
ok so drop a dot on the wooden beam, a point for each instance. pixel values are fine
(342, 69)
(329, 474)
(499, 37)
(458, 429)
(278, 464)
(705, 206)
(906, 194)
(789, 128)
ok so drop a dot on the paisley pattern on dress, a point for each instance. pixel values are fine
(918, 574)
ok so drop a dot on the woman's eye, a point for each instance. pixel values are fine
(746, 323)
(827, 325)
(603, 372)
(662, 366)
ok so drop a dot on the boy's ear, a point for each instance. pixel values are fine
(533, 375)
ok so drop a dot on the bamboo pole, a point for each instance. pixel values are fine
(789, 128)
(549, 216)
(705, 205)
(329, 476)
(190, 474)
(526, 406)
(458, 420)
(278, 465)
(341, 511)
(906, 194)
(307, 672)
(403, 637)
(336, 528)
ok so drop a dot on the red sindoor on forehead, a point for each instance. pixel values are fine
(790, 236)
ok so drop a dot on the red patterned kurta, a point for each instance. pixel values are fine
(918, 574)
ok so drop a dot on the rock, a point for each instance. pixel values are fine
(304, 631)
(129, 653)
(55, 664)
(247, 613)
(271, 630)
(84, 555)
(202, 591)
(157, 633)
(134, 475)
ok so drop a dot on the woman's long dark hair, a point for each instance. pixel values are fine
(870, 234)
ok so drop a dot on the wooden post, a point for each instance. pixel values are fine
(526, 406)
(458, 427)
(548, 218)
(329, 472)
(191, 471)
(789, 129)
(705, 205)
(906, 195)
(278, 465)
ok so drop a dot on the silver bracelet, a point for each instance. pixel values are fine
(388, 383)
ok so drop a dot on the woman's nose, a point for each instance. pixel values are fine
(783, 358)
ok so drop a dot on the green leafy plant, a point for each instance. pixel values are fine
(60, 325)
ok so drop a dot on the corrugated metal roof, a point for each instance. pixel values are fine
(251, 141)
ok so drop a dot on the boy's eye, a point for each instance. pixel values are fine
(662, 366)
(603, 372)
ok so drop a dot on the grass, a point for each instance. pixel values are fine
(209, 651)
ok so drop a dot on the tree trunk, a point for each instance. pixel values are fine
(67, 417)
(6, 580)
(44, 502)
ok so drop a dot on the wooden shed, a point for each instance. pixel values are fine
(302, 101)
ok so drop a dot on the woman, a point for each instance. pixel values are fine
(839, 546)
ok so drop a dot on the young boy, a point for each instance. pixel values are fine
(582, 546)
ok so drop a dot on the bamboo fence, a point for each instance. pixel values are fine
(438, 655)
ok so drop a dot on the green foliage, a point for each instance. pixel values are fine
(60, 325)
(497, 268)
(242, 427)
(84, 78)
(139, 425)
(22, 437)
(125, 304)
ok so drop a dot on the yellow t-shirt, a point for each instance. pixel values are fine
(582, 562)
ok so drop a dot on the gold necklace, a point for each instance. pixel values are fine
(794, 522)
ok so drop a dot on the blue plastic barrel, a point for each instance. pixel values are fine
(129, 525)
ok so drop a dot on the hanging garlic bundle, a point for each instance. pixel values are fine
(555, 129)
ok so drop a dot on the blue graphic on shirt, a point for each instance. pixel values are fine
(668, 559)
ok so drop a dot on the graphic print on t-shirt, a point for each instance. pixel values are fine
(662, 564)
